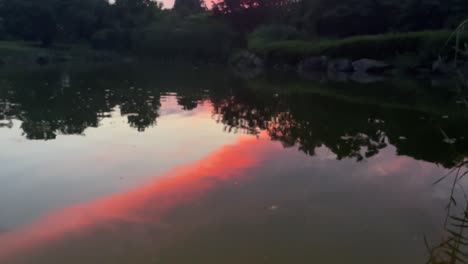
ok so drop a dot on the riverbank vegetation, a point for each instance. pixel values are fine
(283, 28)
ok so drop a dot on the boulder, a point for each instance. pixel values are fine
(340, 65)
(443, 67)
(370, 66)
(246, 59)
(283, 67)
(313, 64)
(246, 65)
(338, 76)
(315, 76)
(42, 59)
(365, 78)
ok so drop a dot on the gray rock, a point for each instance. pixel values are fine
(364, 77)
(370, 66)
(313, 64)
(316, 76)
(246, 59)
(338, 76)
(284, 67)
(340, 65)
(42, 59)
(246, 65)
(443, 67)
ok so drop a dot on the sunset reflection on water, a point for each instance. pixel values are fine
(212, 171)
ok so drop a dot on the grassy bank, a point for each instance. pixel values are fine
(31, 54)
(427, 45)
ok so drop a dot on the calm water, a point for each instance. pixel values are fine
(170, 165)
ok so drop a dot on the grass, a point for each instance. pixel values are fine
(427, 44)
(25, 54)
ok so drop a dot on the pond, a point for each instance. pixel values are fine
(179, 164)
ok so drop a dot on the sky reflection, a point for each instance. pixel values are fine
(209, 173)
(145, 205)
(245, 186)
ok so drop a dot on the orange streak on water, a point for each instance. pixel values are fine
(144, 204)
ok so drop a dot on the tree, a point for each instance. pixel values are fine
(245, 15)
(187, 7)
(79, 19)
(47, 20)
(29, 19)
(133, 13)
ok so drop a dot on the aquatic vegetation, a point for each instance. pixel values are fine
(454, 246)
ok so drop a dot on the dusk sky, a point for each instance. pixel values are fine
(168, 3)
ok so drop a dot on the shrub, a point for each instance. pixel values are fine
(272, 33)
(189, 38)
(427, 44)
(113, 39)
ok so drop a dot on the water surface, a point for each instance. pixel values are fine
(132, 164)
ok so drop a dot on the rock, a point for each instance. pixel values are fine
(246, 65)
(315, 76)
(443, 67)
(313, 64)
(42, 59)
(340, 65)
(370, 66)
(284, 67)
(246, 59)
(338, 76)
(364, 77)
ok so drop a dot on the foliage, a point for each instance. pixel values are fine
(112, 39)
(188, 7)
(245, 15)
(273, 33)
(427, 44)
(72, 20)
(192, 37)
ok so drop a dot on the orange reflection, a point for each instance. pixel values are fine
(145, 204)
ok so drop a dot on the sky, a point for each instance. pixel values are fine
(168, 3)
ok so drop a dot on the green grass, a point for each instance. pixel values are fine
(427, 44)
(25, 54)
(16, 48)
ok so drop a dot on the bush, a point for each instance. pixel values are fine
(190, 38)
(427, 44)
(272, 33)
(112, 39)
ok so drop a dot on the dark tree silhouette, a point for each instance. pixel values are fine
(186, 7)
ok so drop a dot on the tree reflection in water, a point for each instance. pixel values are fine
(50, 103)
